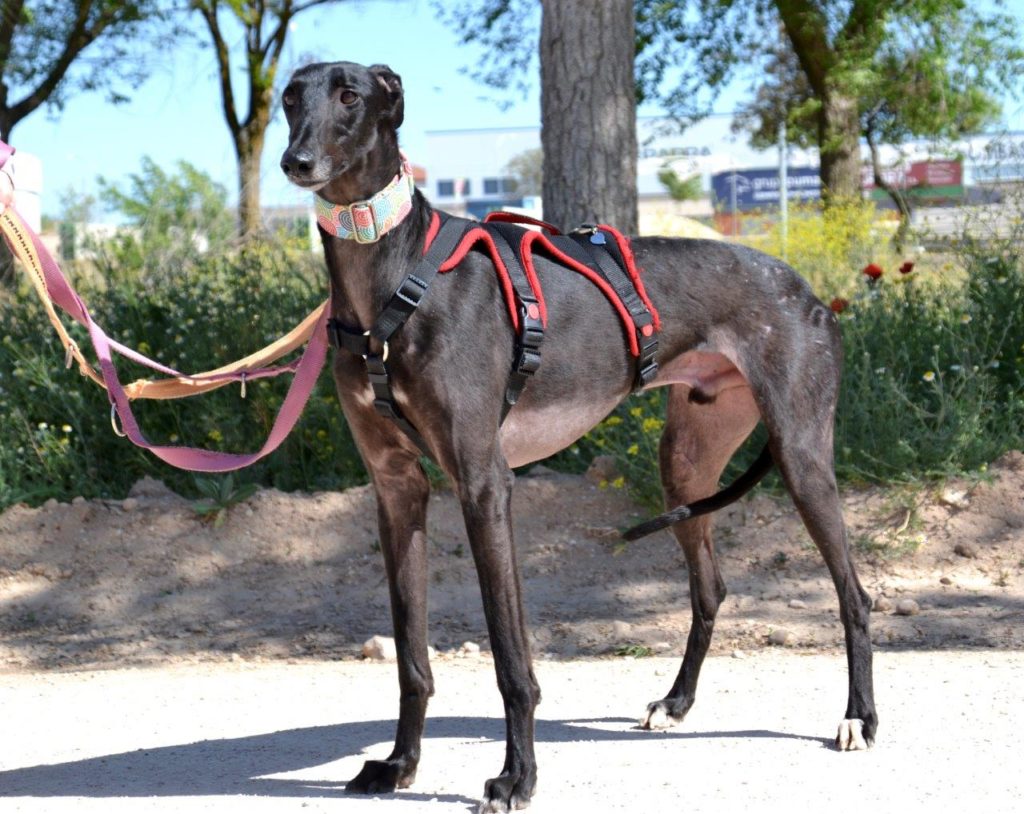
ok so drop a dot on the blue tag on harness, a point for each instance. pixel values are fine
(597, 238)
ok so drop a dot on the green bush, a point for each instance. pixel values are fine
(933, 378)
(58, 440)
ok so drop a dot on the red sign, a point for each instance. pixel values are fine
(936, 174)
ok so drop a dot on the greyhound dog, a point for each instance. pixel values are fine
(742, 339)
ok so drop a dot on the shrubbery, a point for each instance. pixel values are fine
(933, 381)
(933, 378)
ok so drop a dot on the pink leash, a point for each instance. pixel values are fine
(306, 370)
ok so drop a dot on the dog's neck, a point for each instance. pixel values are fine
(365, 275)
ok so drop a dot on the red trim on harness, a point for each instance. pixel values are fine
(526, 249)
(432, 230)
(590, 274)
(634, 273)
(512, 217)
(468, 241)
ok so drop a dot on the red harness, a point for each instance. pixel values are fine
(530, 241)
(599, 253)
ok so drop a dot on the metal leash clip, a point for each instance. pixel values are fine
(243, 384)
(113, 422)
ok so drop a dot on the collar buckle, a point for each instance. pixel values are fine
(364, 218)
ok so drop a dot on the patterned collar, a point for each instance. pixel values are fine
(367, 221)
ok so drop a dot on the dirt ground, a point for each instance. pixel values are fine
(145, 581)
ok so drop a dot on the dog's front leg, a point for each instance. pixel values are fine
(402, 491)
(485, 490)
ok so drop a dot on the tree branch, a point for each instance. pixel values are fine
(208, 10)
(808, 32)
(79, 38)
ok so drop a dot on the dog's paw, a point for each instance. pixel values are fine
(851, 736)
(381, 777)
(505, 793)
(661, 715)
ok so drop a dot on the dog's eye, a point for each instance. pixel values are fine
(288, 99)
(348, 97)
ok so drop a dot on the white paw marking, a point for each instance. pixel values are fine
(850, 737)
(657, 718)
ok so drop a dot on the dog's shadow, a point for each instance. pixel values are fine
(246, 765)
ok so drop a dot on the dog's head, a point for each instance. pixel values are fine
(337, 113)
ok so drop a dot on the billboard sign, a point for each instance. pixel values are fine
(759, 189)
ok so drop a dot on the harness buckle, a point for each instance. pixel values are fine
(411, 291)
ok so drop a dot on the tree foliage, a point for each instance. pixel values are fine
(51, 48)
(834, 69)
(248, 106)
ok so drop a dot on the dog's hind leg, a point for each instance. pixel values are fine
(798, 402)
(697, 443)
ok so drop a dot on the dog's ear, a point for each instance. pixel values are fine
(392, 84)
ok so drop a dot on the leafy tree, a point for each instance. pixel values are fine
(172, 216)
(49, 48)
(679, 189)
(894, 68)
(935, 77)
(265, 25)
(849, 63)
(527, 168)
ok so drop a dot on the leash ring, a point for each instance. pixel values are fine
(113, 422)
(384, 350)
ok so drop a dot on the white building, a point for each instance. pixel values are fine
(467, 169)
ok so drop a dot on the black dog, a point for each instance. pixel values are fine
(743, 339)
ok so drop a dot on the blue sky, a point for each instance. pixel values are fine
(176, 114)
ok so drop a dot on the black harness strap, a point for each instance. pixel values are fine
(400, 307)
(592, 246)
(526, 357)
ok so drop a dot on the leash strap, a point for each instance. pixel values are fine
(400, 307)
(53, 287)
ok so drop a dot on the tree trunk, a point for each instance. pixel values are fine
(839, 140)
(249, 147)
(588, 113)
(895, 193)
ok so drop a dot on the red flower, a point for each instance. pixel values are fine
(838, 305)
(907, 267)
(873, 271)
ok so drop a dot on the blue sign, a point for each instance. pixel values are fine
(759, 189)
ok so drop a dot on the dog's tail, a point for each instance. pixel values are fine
(735, 490)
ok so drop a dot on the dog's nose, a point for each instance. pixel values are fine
(297, 162)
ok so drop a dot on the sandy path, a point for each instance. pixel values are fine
(284, 737)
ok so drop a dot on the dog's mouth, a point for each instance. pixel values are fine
(304, 181)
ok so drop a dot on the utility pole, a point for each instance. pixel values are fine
(783, 190)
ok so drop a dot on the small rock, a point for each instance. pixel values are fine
(130, 504)
(946, 581)
(380, 648)
(738, 654)
(957, 498)
(602, 468)
(907, 607)
(780, 637)
(968, 550)
(77, 501)
(470, 650)
(882, 604)
(797, 604)
(621, 630)
(431, 652)
(149, 487)
(661, 647)
(51, 504)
